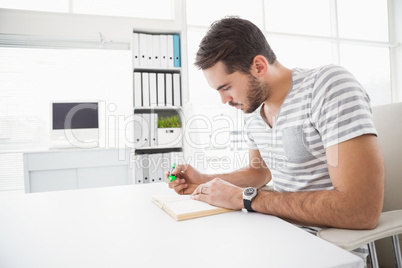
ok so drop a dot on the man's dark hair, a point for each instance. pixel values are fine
(235, 42)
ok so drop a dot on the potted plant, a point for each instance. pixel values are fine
(169, 131)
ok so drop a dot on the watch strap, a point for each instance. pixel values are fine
(247, 205)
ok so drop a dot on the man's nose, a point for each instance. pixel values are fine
(225, 98)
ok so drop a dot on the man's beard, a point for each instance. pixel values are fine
(258, 92)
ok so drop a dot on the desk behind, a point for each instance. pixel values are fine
(120, 227)
(66, 169)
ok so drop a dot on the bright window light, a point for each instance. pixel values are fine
(206, 12)
(303, 53)
(153, 9)
(311, 17)
(37, 5)
(371, 67)
(362, 19)
(202, 94)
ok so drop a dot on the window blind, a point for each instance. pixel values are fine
(35, 41)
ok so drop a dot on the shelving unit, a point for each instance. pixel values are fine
(157, 93)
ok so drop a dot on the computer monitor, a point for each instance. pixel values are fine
(74, 124)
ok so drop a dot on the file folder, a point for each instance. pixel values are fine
(163, 43)
(145, 90)
(156, 61)
(137, 90)
(153, 90)
(166, 163)
(176, 51)
(170, 51)
(143, 50)
(159, 174)
(169, 89)
(136, 50)
(155, 171)
(149, 50)
(153, 128)
(141, 131)
(161, 89)
(176, 90)
(146, 127)
(152, 168)
(145, 168)
(138, 170)
(137, 131)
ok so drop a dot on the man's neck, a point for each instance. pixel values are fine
(280, 82)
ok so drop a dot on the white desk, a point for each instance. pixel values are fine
(120, 227)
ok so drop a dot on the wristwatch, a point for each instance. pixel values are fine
(248, 195)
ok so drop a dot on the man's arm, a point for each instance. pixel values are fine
(256, 174)
(357, 173)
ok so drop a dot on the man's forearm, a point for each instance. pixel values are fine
(245, 177)
(317, 208)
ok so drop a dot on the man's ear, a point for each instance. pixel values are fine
(259, 66)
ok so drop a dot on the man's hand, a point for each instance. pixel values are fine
(187, 179)
(220, 193)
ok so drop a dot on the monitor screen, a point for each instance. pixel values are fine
(75, 115)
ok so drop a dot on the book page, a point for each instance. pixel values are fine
(188, 206)
(182, 207)
(161, 200)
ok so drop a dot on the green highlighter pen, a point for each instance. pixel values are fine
(172, 177)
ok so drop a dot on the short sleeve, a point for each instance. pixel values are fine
(340, 106)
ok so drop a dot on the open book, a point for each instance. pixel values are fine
(183, 207)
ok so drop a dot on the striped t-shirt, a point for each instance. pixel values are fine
(324, 107)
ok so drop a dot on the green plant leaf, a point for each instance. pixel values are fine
(169, 122)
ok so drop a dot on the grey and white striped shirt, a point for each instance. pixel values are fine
(324, 107)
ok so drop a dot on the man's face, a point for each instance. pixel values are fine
(242, 91)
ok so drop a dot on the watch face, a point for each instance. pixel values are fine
(248, 191)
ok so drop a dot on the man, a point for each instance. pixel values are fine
(310, 131)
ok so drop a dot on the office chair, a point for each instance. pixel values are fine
(389, 126)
